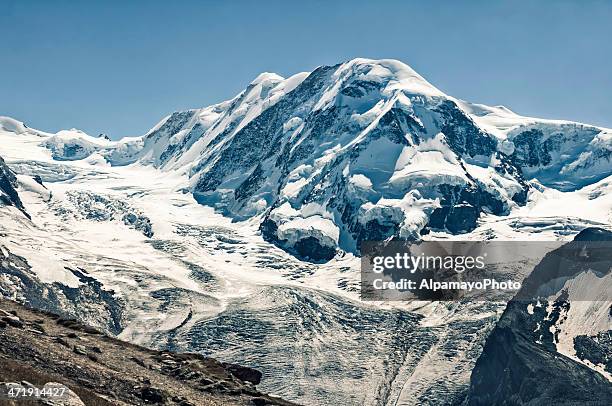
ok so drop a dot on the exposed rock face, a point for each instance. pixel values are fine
(515, 370)
(523, 362)
(244, 373)
(580, 153)
(8, 185)
(596, 349)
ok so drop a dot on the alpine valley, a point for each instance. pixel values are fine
(235, 230)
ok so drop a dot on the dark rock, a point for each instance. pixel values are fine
(245, 374)
(308, 249)
(67, 322)
(63, 342)
(259, 401)
(79, 349)
(138, 361)
(311, 248)
(37, 327)
(515, 370)
(251, 184)
(73, 150)
(596, 349)
(463, 135)
(529, 150)
(38, 180)
(8, 186)
(206, 381)
(594, 234)
(250, 391)
(461, 208)
(90, 330)
(520, 363)
(13, 322)
(152, 395)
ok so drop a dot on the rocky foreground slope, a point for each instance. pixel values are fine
(39, 348)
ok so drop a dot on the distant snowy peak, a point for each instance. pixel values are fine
(11, 125)
(182, 138)
(362, 150)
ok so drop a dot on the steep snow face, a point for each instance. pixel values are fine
(564, 156)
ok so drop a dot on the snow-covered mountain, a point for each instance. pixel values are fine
(365, 150)
(193, 236)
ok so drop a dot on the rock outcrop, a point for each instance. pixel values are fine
(8, 188)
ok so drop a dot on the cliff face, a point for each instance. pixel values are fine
(41, 348)
(8, 185)
(542, 351)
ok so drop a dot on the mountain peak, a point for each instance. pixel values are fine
(12, 125)
(396, 74)
(267, 77)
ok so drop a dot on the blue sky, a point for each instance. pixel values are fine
(118, 67)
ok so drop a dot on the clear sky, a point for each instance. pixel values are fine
(118, 67)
